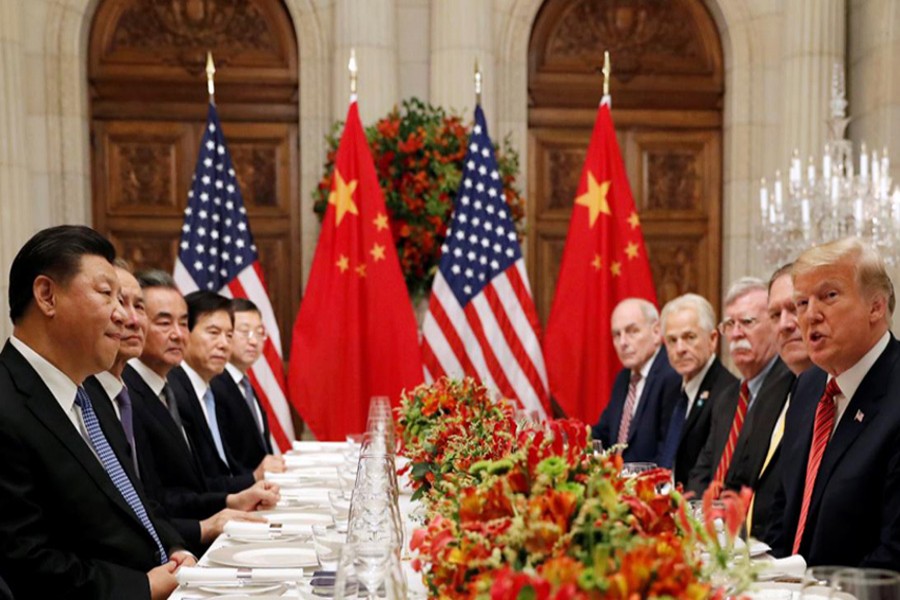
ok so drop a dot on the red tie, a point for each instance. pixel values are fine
(628, 411)
(825, 413)
(739, 413)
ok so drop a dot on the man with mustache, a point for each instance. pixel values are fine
(107, 389)
(691, 338)
(840, 497)
(742, 425)
(644, 391)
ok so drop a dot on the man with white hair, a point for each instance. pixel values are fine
(840, 497)
(691, 338)
(643, 394)
(742, 425)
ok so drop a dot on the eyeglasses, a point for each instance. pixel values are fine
(746, 324)
(259, 333)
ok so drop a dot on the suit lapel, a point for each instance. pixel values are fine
(766, 408)
(46, 409)
(703, 395)
(191, 413)
(646, 393)
(866, 402)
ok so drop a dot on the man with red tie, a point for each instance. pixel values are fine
(840, 497)
(742, 425)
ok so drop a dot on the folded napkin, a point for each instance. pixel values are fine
(776, 568)
(313, 460)
(309, 447)
(265, 531)
(302, 477)
(207, 575)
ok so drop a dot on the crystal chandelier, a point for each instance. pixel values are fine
(840, 200)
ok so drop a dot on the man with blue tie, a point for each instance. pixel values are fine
(73, 519)
(691, 338)
(637, 414)
(840, 497)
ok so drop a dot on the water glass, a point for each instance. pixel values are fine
(632, 469)
(818, 582)
(371, 562)
(866, 584)
(340, 502)
(327, 542)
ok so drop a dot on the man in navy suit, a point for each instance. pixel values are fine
(691, 338)
(242, 418)
(840, 495)
(736, 421)
(645, 390)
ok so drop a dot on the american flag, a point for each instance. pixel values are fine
(481, 319)
(217, 253)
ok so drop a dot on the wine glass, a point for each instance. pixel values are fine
(818, 582)
(371, 561)
(866, 584)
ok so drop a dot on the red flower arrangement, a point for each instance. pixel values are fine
(418, 152)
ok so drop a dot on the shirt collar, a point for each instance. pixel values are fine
(112, 385)
(850, 379)
(150, 377)
(693, 386)
(59, 384)
(235, 373)
(754, 384)
(197, 382)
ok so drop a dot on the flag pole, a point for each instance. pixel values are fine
(351, 66)
(210, 76)
(478, 81)
(606, 72)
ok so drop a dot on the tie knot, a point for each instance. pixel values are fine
(123, 398)
(81, 398)
(208, 396)
(745, 390)
(635, 377)
(831, 390)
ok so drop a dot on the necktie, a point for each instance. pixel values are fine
(628, 411)
(673, 436)
(736, 425)
(824, 424)
(251, 401)
(127, 418)
(212, 420)
(114, 468)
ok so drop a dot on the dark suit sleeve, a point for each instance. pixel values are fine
(701, 474)
(668, 398)
(30, 560)
(887, 554)
(602, 430)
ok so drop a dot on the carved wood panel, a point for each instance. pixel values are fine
(667, 90)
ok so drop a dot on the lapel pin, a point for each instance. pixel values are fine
(704, 394)
(859, 416)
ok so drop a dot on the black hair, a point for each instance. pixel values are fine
(55, 252)
(202, 302)
(244, 305)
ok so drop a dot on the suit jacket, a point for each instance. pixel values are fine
(65, 530)
(200, 436)
(168, 462)
(246, 445)
(188, 528)
(716, 385)
(650, 423)
(854, 512)
(753, 442)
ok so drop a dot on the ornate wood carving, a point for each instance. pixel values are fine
(146, 250)
(145, 174)
(674, 264)
(672, 181)
(256, 173)
(564, 171)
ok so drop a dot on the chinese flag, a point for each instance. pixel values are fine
(355, 336)
(604, 262)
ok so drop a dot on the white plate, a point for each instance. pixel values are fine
(296, 518)
(281, 539)
(273, 589)
(247, 596)
(267, 554)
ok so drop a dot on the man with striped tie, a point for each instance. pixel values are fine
(749, 413)
(840, 499)
(73, 519)
(645, 391)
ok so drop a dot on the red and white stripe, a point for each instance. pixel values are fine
(493, 338)
(267, 374)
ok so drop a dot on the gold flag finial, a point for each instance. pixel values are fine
(478, 83)
(354, 71)
(606, 72)
(210, 74)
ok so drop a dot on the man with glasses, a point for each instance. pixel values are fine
(742, 425)
(242, 418)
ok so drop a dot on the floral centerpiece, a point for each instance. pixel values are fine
(550, 519)
(418, 152)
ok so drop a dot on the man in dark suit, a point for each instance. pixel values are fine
(643, 393)
(840, 500)
(741, 425)
(179, 482)
(761, 471)
(690, 335)
(242, 418)
(108, 389)
(73, 522)
(207, 350)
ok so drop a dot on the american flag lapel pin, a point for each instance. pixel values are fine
(859, 416)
